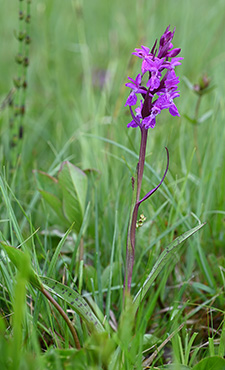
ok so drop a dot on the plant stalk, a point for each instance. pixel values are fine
(130, 253)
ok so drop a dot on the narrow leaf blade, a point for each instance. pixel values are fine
(75, 300)
(57, 251)
(163, 259)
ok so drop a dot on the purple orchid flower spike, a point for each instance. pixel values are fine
(161, 80)
(157, 92)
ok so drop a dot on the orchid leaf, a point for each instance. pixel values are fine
(163, 259)
(75, 300)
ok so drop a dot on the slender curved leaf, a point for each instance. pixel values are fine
(163, 259)
(75, 300)
(57, 251)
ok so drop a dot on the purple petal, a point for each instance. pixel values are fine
(138, 79)
(130, 85)
(173, 53)
(132, 99)
(153, 83)
(173, 110)
(149, 122)
(174, 62)
(141, 53)
(136, 119)
(132, 124)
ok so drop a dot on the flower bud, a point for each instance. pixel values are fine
(21, 35)
(21, 15)
(25, 84)
(28, 40)
(17, 82)
(19, 58)
(27, 19)
(26, 62)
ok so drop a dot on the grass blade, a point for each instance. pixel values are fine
(108, 299)
(57, 251)
(21, 259)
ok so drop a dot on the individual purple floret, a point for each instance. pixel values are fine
(161, 86)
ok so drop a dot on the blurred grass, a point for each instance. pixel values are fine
(80, 57)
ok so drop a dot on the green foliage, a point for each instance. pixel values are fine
(22, 262)
(67, 194)
(75, 300)
(211, 363)
(72, 229)
(175, 367)
(163, 260)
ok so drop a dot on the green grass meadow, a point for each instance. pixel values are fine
(80, 56)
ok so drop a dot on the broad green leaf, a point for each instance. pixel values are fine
(211, 363)
(163, 259)
(48, 183)
(75, 300)
(73, 183)
(55, 203)
(20, 259)
(75, 180)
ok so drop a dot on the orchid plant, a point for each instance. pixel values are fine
(156, 94)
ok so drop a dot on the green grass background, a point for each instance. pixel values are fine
(71, 115)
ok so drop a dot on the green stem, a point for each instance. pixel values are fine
(130, 254)
(141, 162)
